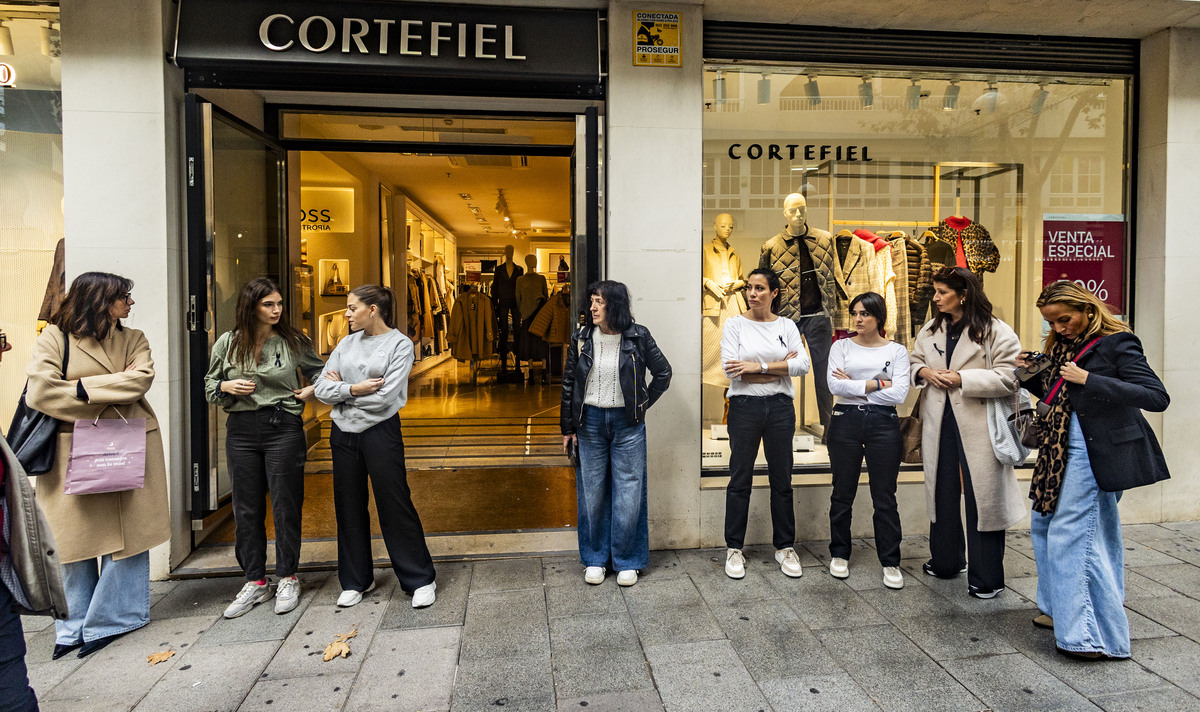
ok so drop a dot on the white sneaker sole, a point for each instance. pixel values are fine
(358, 600)
(264, 596)
(734, 575)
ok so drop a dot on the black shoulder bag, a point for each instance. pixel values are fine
(33, 435)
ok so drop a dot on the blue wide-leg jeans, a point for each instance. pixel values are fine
(610, 484)
(1081, 560)
(104, 600)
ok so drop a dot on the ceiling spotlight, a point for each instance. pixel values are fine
(987, 101)
(719, 88)
(6, 45)
(1039, 100)
(912, 96)
(950, 98)
(764, 90)
(866, 92)
(51, 40)
(812, 90)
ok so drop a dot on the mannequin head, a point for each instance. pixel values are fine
(723, 226)
(530, 264)
(795, 209)
(508, 253)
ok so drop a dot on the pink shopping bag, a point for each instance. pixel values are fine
(107, 456)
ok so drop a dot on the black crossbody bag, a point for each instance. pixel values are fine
(33, 435)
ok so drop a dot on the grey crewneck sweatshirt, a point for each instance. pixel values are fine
(357, 358)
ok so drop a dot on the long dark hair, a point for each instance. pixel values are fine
(875, 306)
(773, 284)
(246, 323)
(976, 307)
(375, 296)
(84, 311)
(616, 303)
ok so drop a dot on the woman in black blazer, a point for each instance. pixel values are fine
(1092, 444)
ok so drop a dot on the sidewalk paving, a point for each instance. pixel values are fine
(529, 634)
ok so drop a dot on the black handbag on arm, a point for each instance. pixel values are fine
(33, 435)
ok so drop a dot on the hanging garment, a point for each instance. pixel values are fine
(414, 305)
(471, 327)
(721, 298)
(427, 306)
(903, 333)
(553, 320)
(883, 276)
(855, 274)
(970, 243)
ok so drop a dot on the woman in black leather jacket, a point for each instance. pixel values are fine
(604, 402)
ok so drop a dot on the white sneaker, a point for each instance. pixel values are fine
(594, 575)
(735, 564)
(350, 598)
(789, 562)
(839, 568)
(425, 595)
(627, 578)
(892, 578)
(251, 594)
(287, 594)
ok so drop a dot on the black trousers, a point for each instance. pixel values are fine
(266, 456)
(377, 452)
(874, 432)
(15, 693)
(770, 420)
(504, 309)
(817, 331)
(984, 550)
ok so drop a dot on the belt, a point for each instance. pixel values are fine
(865, 407)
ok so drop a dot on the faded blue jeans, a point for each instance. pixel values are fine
(104, 600)
(1081, 560)
(610, 484)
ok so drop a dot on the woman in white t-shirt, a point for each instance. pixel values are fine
(761, 353)
(869, 375)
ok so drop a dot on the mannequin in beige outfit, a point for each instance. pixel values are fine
(722, 296)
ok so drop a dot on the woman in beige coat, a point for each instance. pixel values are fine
(103, 539)
(951, 356)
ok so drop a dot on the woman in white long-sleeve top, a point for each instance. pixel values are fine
(869, 375)
(366, 380)
(761, 353)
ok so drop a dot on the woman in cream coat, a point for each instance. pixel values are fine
(103, 539)
(950, 356)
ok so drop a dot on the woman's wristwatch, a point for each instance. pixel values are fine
(762, 367)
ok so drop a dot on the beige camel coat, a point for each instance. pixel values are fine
(119, 523)
(998, 498)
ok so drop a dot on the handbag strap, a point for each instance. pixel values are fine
(1058, 384)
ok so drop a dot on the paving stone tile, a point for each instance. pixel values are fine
(1019, 540)
(506, 624)
(1175, 545)
(95, 678)
(1164, 698)
(597, 654)
(94, 704)
(1180, 613)
(210, 678)
(450, 608)
(951, 698)
(511, 683)
(1176, 660)
(159, 590)
(45, 676)
(720, 590)
(1014, 682)
(946, 637)
(563, 570)
(821, 693)
(881, 659)
(260, 622)
(955, 592)
(1146, 533)
(1018, 566)
(35, 624)
(1180, 578)
(301, 653)
(197, 597)
(838, 609)
(506, 575)
(407, 670)
(861, 553)
(1191, 529)
(640, 701)
(1141, 627)
(764, 556)
(1138, 585)
(1139, 555)
(39, 646)
(318, 692)
(701, 560)
(773, 643)
(914, 600)
(663, 592)
(681, 623)
(705, 675)
(580, 599)
(663, 565)
(1027, 587)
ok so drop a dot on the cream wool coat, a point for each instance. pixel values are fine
(998, 498)
(119, 523)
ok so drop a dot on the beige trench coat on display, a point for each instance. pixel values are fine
(119, 523)
(998, 498)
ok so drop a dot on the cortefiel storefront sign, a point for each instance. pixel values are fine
(389, 39)
(1088, 250)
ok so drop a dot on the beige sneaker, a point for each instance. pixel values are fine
(789, 562)
(892, 578)
(735, 564)
(839, 568)
(593, 575)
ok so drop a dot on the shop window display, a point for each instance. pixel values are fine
(897, 173)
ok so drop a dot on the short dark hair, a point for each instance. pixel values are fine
(773, 284)
(875, 306)
(384, 298)
(616, 303)
(976, 307)
(84, 311)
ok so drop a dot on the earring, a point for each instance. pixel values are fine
(962, 302)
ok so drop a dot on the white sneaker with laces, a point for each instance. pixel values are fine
(351, 598)
(425, 595)
(627, 578)
(839, 568)
(287, 594)
(789, 562)
(892, 578)
(594, 575)
(251, 594)
(735, 564)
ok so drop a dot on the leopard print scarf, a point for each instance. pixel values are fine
(1053, 431)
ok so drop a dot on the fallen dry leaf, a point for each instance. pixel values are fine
(160, 657)
(343, 637)
(340, 646)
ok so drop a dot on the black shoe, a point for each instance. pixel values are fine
(927, 567)
(97, 644)
(61, 650)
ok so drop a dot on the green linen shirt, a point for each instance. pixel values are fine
(276, 375)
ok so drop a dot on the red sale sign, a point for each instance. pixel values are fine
(1088, 250)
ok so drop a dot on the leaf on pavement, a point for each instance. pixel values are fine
(340, 646)
(160, 657)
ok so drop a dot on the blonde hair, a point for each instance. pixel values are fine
(1101, 322)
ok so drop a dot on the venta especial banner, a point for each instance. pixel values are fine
(1088, 250)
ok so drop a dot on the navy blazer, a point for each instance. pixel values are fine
(1122, 449)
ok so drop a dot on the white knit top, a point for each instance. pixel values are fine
(604, 381)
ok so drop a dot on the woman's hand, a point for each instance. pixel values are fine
(366, 388)
(734, 369)
(1072, 373)
(840, 375)
(933, 378)
(331, 375)
(1023, 359)
(303, 394)
(567, 441)
(952, 379)
(238, 387)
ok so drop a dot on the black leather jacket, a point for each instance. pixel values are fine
(639, 355)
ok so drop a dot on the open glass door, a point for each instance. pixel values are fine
(236, 212)
(587, 206)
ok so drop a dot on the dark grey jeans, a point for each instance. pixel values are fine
(770, 420)
(817, 331)
(264, 456)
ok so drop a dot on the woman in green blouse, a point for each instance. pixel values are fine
(254, 374)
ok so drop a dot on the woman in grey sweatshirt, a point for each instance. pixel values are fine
(366, 381)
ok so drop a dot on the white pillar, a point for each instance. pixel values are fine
(122, 204)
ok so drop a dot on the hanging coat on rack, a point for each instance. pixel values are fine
(471, 327)
(971, 244)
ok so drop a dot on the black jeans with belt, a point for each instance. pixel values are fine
(377, 452)
(266, 450)
(772, 421)
(872, 431)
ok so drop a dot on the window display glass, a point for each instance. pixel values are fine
(890, 175)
